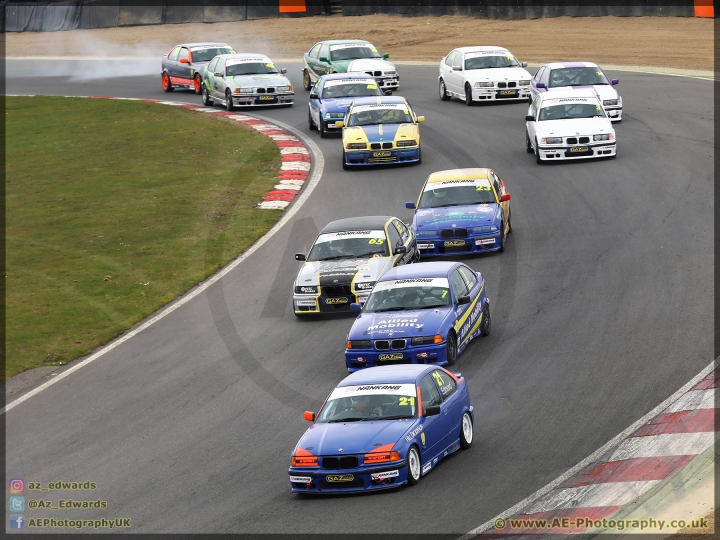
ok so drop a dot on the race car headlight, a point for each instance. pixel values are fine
(552, 140)
(358, 344)
(484, 228)
(364, 286)
(607, 137)
(426, 234)
(484, 84)
(356, 146)
(284, 88)
(381, 457)
(619, 100)
(610, 102)
(304, 461)
(243, 90)
(525, 83)
(392, 73)
(406, 143)
(306, 289)
(423, 340)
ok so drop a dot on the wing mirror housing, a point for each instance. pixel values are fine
(523, 64)
(219, 75)
(399, 250)
(300, 257)
(410, 205)
(457, 68)
(323, 59)
(339, 123)
(355, 307)
(184, 61)
(530, 118)
(283, 71)
(463, 300)
(615, 81)
(432, 411)
(314, 96)
(309, 416)
(541, 85)
(421, 119)
(505, 197)
(386, 56)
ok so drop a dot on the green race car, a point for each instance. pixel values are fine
(345, 56)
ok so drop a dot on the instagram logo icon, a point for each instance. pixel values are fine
(17, 486)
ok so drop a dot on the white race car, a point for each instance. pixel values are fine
(585, 75)
(568, 124)
(483, 74)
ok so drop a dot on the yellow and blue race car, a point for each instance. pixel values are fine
(380, 130)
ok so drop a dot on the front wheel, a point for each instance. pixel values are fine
(166, 84)
(307, 83)
(528, 146)
(207, 101)
(537, 153)
(321, 128)
(413, 465)
(468, 96)
(503, 237)
(451, 349)
(311, 122)
(443, 91)
(345, 165)
(486, 321)
(419, 161)
(466, 431)
(198, 85)
(228, 101)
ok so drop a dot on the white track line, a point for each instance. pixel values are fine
(311, 183)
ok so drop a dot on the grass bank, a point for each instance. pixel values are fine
(114, 208)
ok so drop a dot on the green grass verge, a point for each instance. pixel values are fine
(114, 208)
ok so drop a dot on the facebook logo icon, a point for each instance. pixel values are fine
(17, 521)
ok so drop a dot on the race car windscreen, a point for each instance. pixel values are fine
(457, 193)
(349, 244)
(251, 68)
(583, 76)
(408, 294)
(488, 61)
(353, 52)
(205, 55)
(351, 89)
(571, 110)
(384, 401)
(367, 115)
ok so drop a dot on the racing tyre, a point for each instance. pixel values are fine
(198, 85)
(321, 128)
(419, 161)
(443, 91)
(486, 321)
(528, 146)
(509, 223)
(451, 349)
(466, 431)
(311, 122)
(228, 101)
(468, 96)
(345, 165)
(166, 84)
(206, 97)
(503, 237)
(307, 83)
(537, 153)
(413, 465)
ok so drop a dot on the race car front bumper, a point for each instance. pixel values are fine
(501, 94)
(439, 247)
(263, 100)
(306, 303)
(562, 152)
(357, 359)
(614, 112)
(382, 157)
(319, 480)
(388, 83)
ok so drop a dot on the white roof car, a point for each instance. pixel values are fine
(568, 124)
(484, 73)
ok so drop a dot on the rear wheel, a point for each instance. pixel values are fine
(207, 101)
(486, 321)
(166, 84)
(466, 431)
(198, 84)
(468, 95)
(413, 465)
(451, 349)
(443, 91)
(311, 122)
(307, 83)
(228, 101)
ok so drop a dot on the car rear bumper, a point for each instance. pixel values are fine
(362, 478)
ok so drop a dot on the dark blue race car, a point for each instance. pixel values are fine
(382, 428)
(425, 313)
(332, 95)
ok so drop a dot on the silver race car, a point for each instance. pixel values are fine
(182, 67)
(245, 79)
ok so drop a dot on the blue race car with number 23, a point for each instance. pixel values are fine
(382, 428)
(425, 313)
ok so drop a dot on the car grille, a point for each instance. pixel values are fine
(374, 73)
(511, 84)
(388, 159)
(335, 290)
(385, 344)
(345, 462)
(269, 90)
(382, 344)
(453, 233)
(383, 146)
(575, 140)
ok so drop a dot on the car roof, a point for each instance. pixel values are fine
(356, 223)
(419, 270)
(203, 44)
(403, 373)
(458, 174)
(341, 41)
(557, 94)
(481, 48)
(378, 100)
(556, 65)
(239, 56)
(348, 75)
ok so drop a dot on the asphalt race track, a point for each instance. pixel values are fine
(601, 308)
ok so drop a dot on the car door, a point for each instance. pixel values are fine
(534, 91)
(459, 289)
(499, 192)
(531, 124)
(450, 409)
(323, 62)
(474, 308)
(183, 68)
(209, 76)
(434, 427)
(408, 241)
(172, 61)
(312, 59)
(453, 77)
(458, 76)
(315, 104)
(219, 82)
(446, 68)
(395, 242)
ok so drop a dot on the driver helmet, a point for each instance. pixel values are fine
(364, 117)
(336, 246)
(331, 91)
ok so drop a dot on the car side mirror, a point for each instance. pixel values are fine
(314, 96)
(339, 123)
(523, 64)
(283, 71)
(505, 197)
(323, 59)
(457, 68)
(399, 250)
(433, 410)
(218, 74)
(410, 205)
(615, 81)
(541, 85)
(386, 56)
(530, 118)
(310, 416)
(355, 307)
(421, 119)
(387, 92)
(463, 300)
(184, 61)
(300, 257)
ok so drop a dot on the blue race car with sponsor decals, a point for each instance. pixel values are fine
(461, 211)
(426, 313)
(332, 96)
(382, 428)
